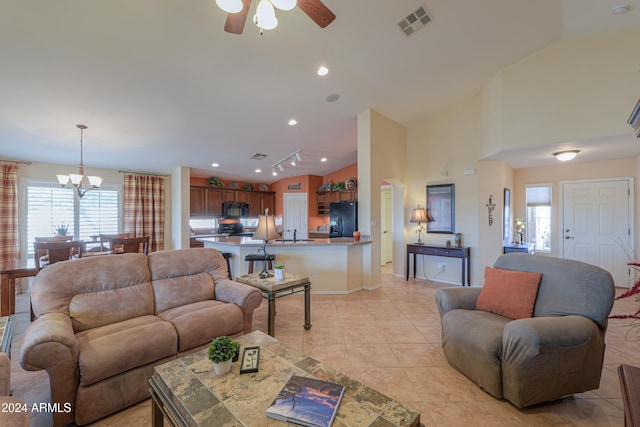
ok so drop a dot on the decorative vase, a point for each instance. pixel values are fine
(278, 273)
(356, 236)
(222, 367)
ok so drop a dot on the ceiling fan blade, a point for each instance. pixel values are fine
(235, 21)
(317, 11)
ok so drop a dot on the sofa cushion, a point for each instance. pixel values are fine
(201, 322)
(185, 276)
(509, 293)
(119, 347)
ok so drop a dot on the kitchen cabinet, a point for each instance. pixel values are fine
(206, 202)
(324, 199)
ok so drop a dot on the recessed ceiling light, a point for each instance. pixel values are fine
(324, 159)
(215, 165)
(621, 9)
(293, 122)
(258, 170)
(323, 71)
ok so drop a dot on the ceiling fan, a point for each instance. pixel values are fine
(315, 9)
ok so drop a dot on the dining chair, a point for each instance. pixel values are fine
(56, 252)
(42, 254)
(105, 240)
(130, 245)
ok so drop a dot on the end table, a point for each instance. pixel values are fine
(272, 289)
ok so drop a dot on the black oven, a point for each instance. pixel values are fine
(235, 210)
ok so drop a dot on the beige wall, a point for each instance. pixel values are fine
(577, 89)
(382, 155)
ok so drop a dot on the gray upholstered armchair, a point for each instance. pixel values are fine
(557, 352)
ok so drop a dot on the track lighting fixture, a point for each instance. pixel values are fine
(293, 159)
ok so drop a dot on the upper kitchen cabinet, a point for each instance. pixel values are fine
(325, 198)
(205, 202)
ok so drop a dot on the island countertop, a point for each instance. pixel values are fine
(249, 241)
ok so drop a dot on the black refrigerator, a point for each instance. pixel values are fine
(343, 219)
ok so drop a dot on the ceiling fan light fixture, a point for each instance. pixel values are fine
(230, 6)
(265, 17)
(565, 156)
(284, 4)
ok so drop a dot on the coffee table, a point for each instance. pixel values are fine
(273, 289)
(187, 392)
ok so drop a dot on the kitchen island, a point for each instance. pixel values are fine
(334, 266)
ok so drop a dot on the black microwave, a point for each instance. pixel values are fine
(235, 210)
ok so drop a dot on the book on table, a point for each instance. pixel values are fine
(307, 402)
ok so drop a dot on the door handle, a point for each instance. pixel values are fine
(569, 237)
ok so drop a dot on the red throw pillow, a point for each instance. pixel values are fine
(509, 293)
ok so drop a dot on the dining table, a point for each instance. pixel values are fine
(9, 272)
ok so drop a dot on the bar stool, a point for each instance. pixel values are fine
(227, 256)
(258, 257)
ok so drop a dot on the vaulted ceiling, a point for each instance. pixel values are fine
(160, 84)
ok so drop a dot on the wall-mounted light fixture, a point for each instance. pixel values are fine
(565, 156)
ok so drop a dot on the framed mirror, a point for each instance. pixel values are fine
(441, 205)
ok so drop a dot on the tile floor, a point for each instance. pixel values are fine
(390, 339)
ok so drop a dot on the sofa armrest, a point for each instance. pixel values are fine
(448, 299)
(544, 358)
(246, 297)
(47, 342)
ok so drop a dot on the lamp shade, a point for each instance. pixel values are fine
(284, 4)
(567, 155)
(266, 229)
(421, 215)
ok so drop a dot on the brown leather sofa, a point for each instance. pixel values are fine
(104, 322)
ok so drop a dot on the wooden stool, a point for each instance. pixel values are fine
(227, 256)
(257, 257)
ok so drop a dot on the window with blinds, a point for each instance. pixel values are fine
(538, 231)
(49, 206)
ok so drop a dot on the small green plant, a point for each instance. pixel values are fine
(248, 187)
(222, 349)
(62, 229)
(339, 186)
(214, 181)
(279, 266)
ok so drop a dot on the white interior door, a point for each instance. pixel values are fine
(385, 230)
(596, 225)
(296, 216)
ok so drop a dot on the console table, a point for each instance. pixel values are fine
(463, 253)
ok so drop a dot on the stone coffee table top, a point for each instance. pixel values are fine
(270, 284)
(205, 399)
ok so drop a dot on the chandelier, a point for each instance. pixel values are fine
(78, 180)
(265, 17)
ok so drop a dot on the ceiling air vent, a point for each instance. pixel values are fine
(415, 21)
(259, 156)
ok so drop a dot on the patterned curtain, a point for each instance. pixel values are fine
(8, 212)
(144, 208)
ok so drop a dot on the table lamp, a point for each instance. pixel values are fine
(266, 231)
(420, 215)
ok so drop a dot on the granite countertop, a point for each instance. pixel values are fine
(249, 241)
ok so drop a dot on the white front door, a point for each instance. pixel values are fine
(296, 216)
(596, 225)
(385, 230)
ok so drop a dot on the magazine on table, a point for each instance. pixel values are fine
(307, 402)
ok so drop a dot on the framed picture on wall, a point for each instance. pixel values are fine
(441, 205)
(506, 217)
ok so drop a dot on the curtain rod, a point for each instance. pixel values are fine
(144, 173)
(17, 162)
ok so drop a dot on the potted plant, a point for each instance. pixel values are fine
(62, 229)
(214, 181)
(278, 271)
(221, 352)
